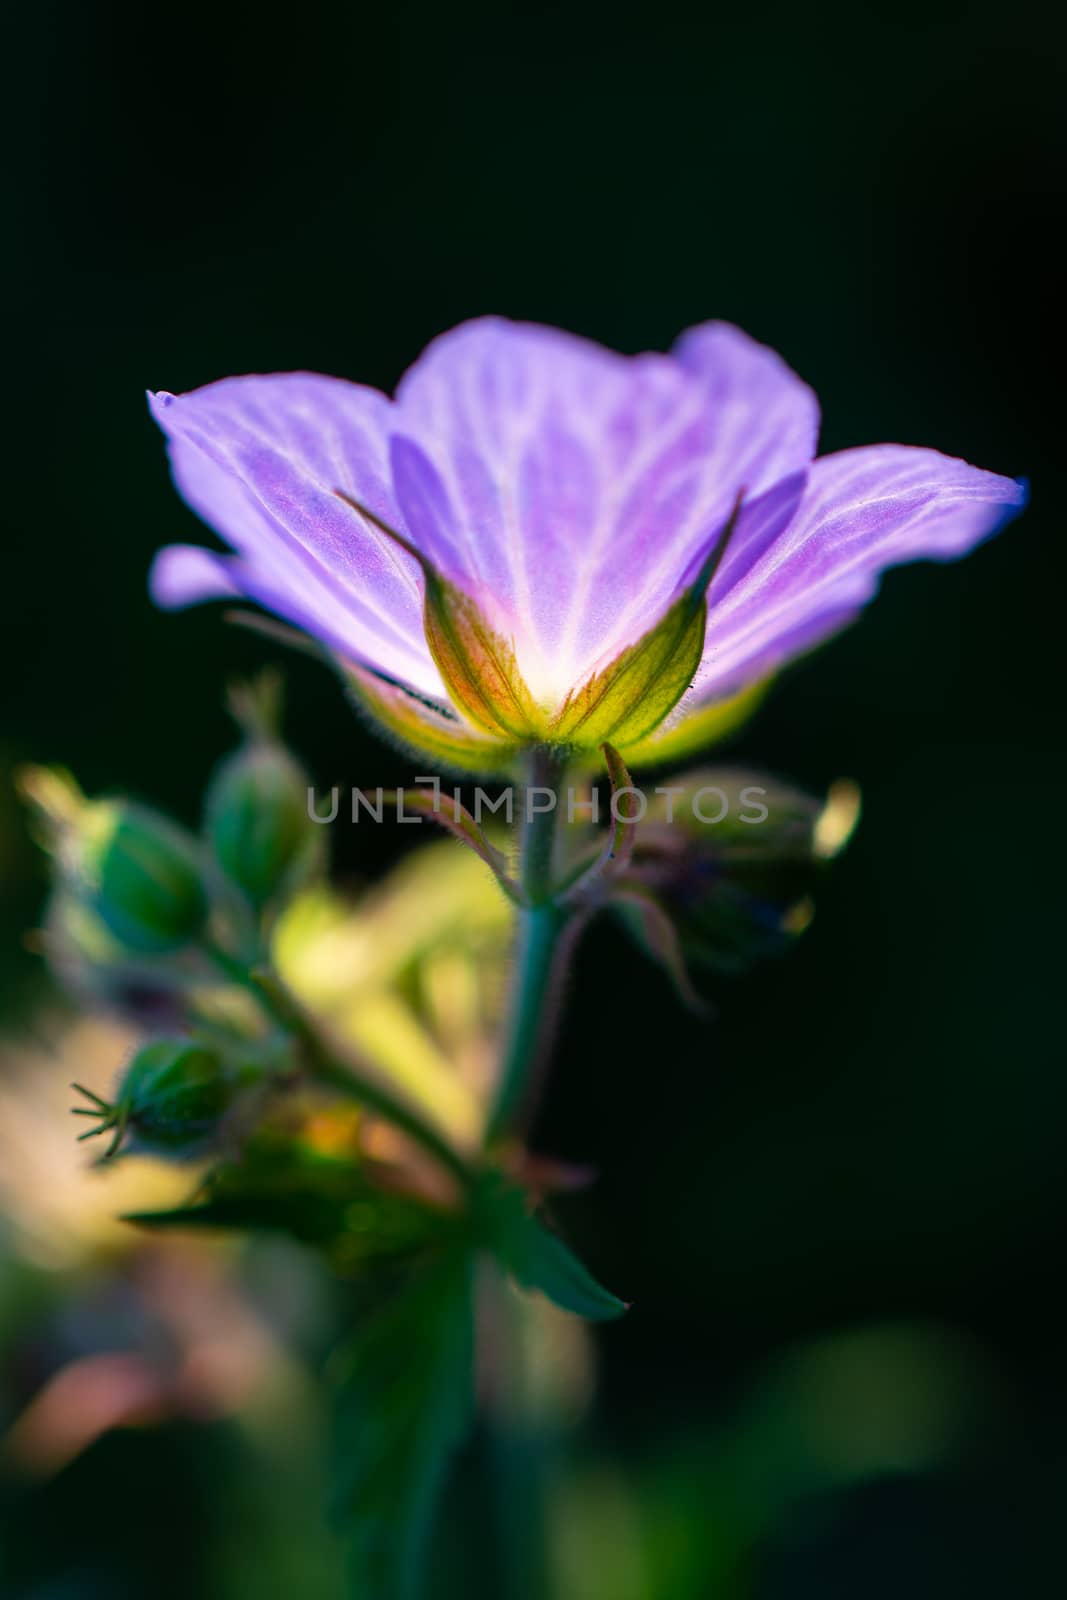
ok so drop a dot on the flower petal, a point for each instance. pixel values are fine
(259, 459)
(768, 418)
(864, 510)
(568, 487)
(186, 574)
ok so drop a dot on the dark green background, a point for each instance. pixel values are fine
(874, 1128)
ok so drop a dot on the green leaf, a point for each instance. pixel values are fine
(631, 696)
(539, 1259)
(403, 1402)
(330, 1202)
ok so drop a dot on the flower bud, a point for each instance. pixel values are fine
(136, 870)
(145, 877)
(171, 1098)
(258, 824)
(733, 858)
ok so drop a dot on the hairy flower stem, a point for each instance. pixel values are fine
(537, 977)
(345, 1077)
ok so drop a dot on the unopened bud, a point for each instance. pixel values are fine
(132, 867)
(733, 858)
(171, 1099)
(144, 877)
(258, 824)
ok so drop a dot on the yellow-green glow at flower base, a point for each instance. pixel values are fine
(494, 714)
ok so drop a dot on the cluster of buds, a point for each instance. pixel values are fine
(146, 915)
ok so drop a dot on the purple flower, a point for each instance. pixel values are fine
(539, 539)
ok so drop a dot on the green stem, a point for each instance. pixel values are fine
(522, 1447)
(540, 923)
(342, 1076)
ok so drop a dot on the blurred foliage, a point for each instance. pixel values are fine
(413, 974)
(403, 1403)
(287, 1181)
(733, 859)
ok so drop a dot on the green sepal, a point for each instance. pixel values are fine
(423, 728)
(628, 699)
(623, 829)
(587, 885)
(696, 730)
(418, 725)
(476, 661)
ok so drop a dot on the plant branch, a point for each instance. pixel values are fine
(347, 1077)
